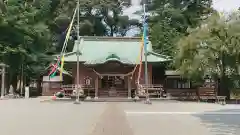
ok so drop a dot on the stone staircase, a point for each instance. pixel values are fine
(110, 99)
(114, 93)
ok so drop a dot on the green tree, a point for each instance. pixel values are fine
(164, 38)
(170, 20)
(31, 31)
(97, 18)
(24, 37)
(212, 49)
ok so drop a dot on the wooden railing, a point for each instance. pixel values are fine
(152, 89)
(71, 87)
(68, 89)
(183, 93)
(152, 86)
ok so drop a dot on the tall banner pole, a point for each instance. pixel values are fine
(145, 52)
(78, 53)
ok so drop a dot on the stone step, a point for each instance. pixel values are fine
(110, 99)
(117, 94)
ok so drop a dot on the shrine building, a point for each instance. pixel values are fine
(107, 67)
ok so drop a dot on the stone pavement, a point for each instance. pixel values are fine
(178, 118)
(32, 117)
(112, 122)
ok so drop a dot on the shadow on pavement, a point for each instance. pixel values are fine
(224, 123)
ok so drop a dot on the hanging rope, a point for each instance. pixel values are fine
(99, 74)
(140, 63)
(139, 60)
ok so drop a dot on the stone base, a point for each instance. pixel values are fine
(2, 97)
(88, 98)
(76, 102)
(112, 92)
(10, 96)
(95, 97)
(136, 98)
(129, 97)
(147, 101)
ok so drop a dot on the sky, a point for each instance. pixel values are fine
(220, 5)
(226, 5)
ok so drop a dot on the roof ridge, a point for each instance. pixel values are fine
(158, 54)
(110, 38)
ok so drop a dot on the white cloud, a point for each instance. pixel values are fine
(226, 5)
(131, 10)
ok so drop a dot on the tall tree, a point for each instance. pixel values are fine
(212, 49)
(33, 30)
(24, 37)
(171, 18)
(99, 18)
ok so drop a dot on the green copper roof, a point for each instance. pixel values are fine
(111, 57)
(97, 50)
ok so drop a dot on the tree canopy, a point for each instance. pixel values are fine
(212, 49)
(170, 20)
(32, 31)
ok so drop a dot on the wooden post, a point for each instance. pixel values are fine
(129, 88)
(96, 88)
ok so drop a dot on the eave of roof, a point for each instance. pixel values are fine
(94, 49)
(109, 59)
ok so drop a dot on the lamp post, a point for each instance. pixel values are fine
(78, 55)
(145, 53)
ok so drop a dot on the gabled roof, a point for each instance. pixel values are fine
(96, 50)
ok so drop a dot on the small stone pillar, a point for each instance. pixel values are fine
(3, 79)
(96, 88)
(26, 92)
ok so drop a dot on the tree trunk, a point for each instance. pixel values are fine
(13, 82)
(111, 31)
(223, 89)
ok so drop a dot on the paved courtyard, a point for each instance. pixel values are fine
(32, 117)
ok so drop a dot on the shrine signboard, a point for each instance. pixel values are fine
(88, 81)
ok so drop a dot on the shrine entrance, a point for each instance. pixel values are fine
(113, 82)
(114, 78)
(114, 85)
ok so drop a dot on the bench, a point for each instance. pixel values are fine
(206, 94)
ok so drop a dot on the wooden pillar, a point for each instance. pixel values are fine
(129, 87)
(96, 88)
(125, 80)
(189, 84)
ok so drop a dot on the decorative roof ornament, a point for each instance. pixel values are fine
(113, 56)
(109, 58)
